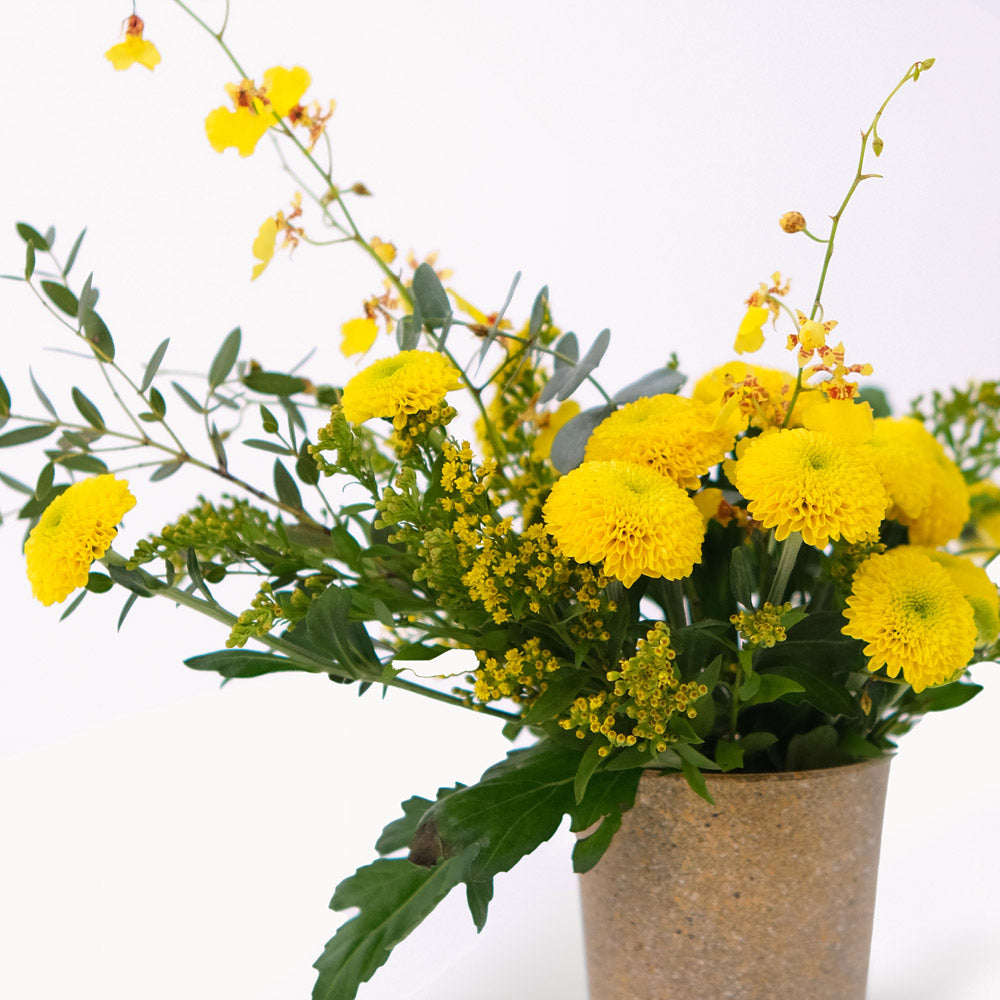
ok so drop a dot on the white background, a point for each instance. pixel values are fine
(160, 838)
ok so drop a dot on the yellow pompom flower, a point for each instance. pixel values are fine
(629, 518)
(397, 387)
(134, 49)
(256, 109)
(912, 616)
(671, 434)
(809, 482)
(978, 589)
(926, 490)
(74, 530)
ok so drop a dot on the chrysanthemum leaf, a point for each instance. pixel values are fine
(346, 641)
(938, 699)
(539, 312)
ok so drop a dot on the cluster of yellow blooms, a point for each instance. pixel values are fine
(762, 627)
(519, 676)
(646, 691)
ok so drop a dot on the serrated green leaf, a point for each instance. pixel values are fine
(25, 435)
(431, 297)
(225, 358)
(614, 796)
(393, 897)
(74, 250)
(346, 641)
(61, 297)
(32, 235)
(87, 410)
(153, 365)
(285, 487)
(274, 383)
(187, 398)
(241, 663)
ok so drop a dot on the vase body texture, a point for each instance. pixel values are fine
(767, 895)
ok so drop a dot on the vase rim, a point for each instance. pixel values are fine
(802, 775)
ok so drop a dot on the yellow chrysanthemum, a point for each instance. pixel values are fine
(748, 394)
(629, 518)
(912, 616)
(926, 490)
(257, 109)
(809, 482)
(134, 48)
(978, 589)
(397, 387)
(671, 434)
(74, 530)
(357, 335)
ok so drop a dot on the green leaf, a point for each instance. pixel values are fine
(397, 835)
(857, 746)
(87, 300)
(815, 749)
(270, 446)
(346, 641)
(771, 688)
(136, 580)
(571, 439)
(608, 797)
(284, 486)
(188, 398)
(45, 479)
(755, 742)
(539, 313)
(74, 604)
(589, 763)
(99, 337)
(194, 572)
(61, 297)
(393, 897)
(29, 260)
(656, 383)
(42, 398)
(4, 399)
(728, 755)
(939, 699)
(215, 440)
(31, 235)
(567, 351)
(566, 381)
(560, 690)
(268, 420)
(696, 780)
(90, 464)
(431, 297)
(157, 403)
(153, 365)
(87, 410)
(225, 358)
(741, 575)
(25, 435)
(275, 383)
(74, 250)
(818, 689)
(305, 466)
(16, 484)
(126, 608)
(407, 333)
(237, 663)
(165, 471)
(98, 583)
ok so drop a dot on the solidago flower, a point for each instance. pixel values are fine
(396, 387)
(805, 481)
(357, 335)
(926, 490)
(74, 530)
(256, 109)
(134, 48)
(630, 519)
(913, 617)
(671, 434)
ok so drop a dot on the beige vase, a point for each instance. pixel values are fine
(767, 895)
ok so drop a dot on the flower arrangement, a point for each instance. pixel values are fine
(769, 573)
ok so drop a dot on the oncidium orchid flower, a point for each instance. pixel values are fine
(256, 109)
(134, 48)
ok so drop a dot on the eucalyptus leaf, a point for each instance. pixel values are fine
(491, 334)
(570, 442)
(407, 333)
(566, 351)
(656, 383)
(539, 313)
(431, 297)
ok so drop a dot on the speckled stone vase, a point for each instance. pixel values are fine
(767, 895)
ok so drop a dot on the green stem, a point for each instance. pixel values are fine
(786, 562)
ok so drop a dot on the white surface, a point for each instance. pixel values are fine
(161, 838)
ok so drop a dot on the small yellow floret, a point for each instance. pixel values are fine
(357, 335)
(134, 49)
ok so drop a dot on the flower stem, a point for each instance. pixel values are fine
(786, 562)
